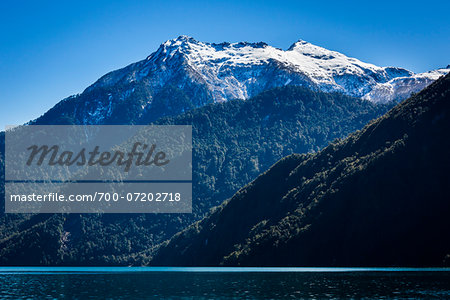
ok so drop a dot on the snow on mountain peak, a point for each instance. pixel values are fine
(244, 69)
(225, 67)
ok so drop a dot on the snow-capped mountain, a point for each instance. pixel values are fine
(184, 73)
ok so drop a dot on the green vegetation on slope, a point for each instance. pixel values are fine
(233, 143)
(379, 198)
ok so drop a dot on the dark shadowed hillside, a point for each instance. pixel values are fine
(379, 198)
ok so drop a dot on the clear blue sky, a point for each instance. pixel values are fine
(52, 49)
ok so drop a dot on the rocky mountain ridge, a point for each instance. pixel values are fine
(185, 73)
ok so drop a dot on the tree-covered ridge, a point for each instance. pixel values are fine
(233, 142)
(378, 198)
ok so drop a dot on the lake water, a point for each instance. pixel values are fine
(150, 282)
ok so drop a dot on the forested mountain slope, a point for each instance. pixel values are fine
(233, 142)
(380, 197)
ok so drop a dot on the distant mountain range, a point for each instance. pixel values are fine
(184, 74)
(380, 197)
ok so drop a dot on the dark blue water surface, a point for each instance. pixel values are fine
(213, 283)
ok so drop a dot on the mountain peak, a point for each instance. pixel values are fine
(299, 42)
(308, 49)
(181, 40)
(185, 38)
(170, 47)
(241, 70)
